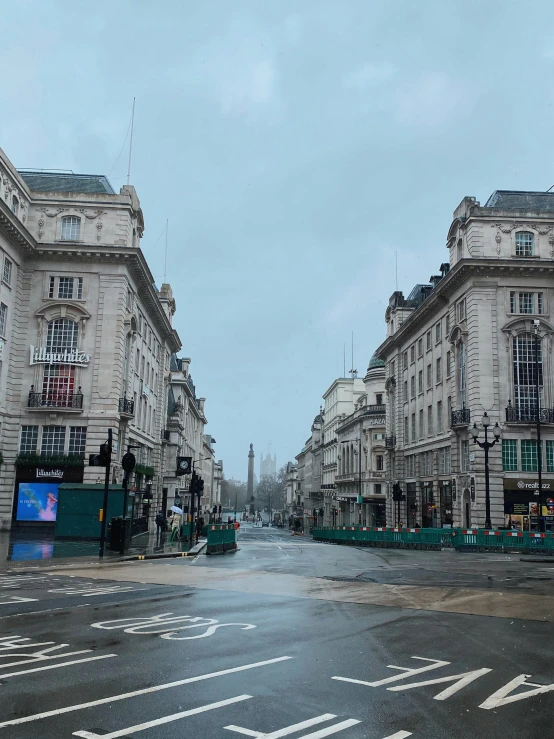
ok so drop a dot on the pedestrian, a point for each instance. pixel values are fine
(175, 526)
(161, 527)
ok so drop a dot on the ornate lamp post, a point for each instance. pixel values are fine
(486, 445)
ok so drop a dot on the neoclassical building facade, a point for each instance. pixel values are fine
(477, 338)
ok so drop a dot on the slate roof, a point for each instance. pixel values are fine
(520, 200)
(96, 184)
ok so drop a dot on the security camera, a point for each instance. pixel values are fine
(536, 322)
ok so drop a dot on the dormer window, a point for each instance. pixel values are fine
(525, 243)
(71, 228)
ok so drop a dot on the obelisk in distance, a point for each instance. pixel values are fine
(250, 473)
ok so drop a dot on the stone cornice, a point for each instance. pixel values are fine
(15, 232)
(462, 272)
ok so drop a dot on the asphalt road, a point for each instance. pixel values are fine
(91, 656)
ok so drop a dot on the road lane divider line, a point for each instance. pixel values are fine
(55, 667)
(164, 720)
(143, 691)
(329, 730)
(286, 730)
(246, 732)
(399, 735)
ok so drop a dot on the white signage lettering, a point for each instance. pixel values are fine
(49, 473)
(39, 355)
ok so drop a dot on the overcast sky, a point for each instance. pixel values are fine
(294, 146)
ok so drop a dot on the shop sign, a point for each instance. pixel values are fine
(368, 421)
(49, 473)
(39, 355)
(514, 484)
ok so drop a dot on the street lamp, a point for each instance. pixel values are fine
(541, 523)
(486, 445)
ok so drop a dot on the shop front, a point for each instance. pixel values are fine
(36, 490)
(521, 503)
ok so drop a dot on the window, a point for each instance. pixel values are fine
(529, 460)
(65, 287)
(421, 425)
(439, 417)
(449, 409)
(420, 381)
(460, 249)
(525, 241)
(464, 455)
(379, 399)
(377, 488)
(430, 420)
(439, 370)
(59, 379)
(412, 354)
(405, 360)
(412, 386)
(462, 310)
(137, 361)
(420, 347)
(379, 459)
(3, 318)
(526, 303)
(392, 368)
(406, 439)
(429, 375)
(509, 455)
(428, 341)
(441, 454)
(77, 440)
(438, 333)
(462, 376)
(550, 455)
(448, 359)
(413, 427)
(525, 378)
(7, 272)
(71, 228)
(79, 288)
(53, 440)
(52, 286)
(29, 439)
(447, 322)
(405, 391)
(410, 466)
(15, 205)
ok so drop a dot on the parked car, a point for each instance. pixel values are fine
(265, 523)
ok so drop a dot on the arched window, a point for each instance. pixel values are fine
(15, 205)
(525, 244)
(59, 379)
(71, 228)
(525, 356)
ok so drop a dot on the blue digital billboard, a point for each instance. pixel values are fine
(37, 501)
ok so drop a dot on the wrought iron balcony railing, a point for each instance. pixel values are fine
(528, 415)
(390, 442)
(55, 399)
(126, 406)
(460, 418)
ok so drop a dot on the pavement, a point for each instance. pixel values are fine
(286, 637)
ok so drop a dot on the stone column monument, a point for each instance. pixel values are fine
(250, 473)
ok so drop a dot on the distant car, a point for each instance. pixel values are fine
(265, 523)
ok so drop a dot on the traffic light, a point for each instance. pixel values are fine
(104, 458)
(397, 495)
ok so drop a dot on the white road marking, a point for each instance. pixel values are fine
(287, 730)
(465, 678)
(8, 600)
(502, 696)
(144, 691)
(163, 720)
(168, 625)
(246, 732)
(408, 672)
(55, 667)
(329, 730)
(399, 735)
(96, 590)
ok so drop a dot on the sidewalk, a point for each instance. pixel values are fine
(19, 548)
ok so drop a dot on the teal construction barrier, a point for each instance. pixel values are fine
(222, 538)
(482, 540)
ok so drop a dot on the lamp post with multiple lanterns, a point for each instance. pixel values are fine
(486, 445)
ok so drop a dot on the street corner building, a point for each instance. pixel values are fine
(476, 339)
(86, 345)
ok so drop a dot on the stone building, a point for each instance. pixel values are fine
(360, 476)
(268, 465)
(306, 495)
(465, 344)
(86, 343)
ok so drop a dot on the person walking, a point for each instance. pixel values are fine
(161, 526)
(175, 526)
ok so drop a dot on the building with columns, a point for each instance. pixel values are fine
(465, 344)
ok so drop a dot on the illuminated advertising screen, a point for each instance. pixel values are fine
(37, 501)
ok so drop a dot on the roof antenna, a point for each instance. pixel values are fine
(353, 372)
(396, 260)
(344, 360)
(131, 142)
(165, 255)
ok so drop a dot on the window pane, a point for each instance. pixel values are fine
(77, 439)
(540, 307)
(3, 317)
(62, 334)
(524, 244)
(51, 288)
(53, 440)
(28, 441)
(529, 462)
(439, 416)
(7, 273)
(79, 288)
(525, 374)
(439, 370)
(71, 228)
(526, 303)
(65, 287)
(512, 302)
(550, 456)
(509, 455)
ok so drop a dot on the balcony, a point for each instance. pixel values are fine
(390, 442)
(460, 418)
(55, 399)
(127, 407)
(380, 409)
(528, 415)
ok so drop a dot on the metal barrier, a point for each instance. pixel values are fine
(222, 538)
